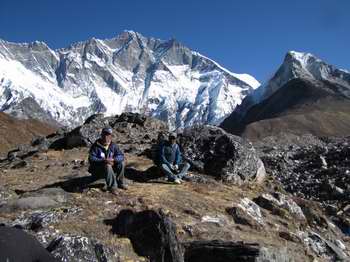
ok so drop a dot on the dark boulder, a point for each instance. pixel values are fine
(220, 251)
(213, 151)
(17, 245)
(134, 132)
(152, 234)
(225, 251)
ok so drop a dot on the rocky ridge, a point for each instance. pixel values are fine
(127, 73)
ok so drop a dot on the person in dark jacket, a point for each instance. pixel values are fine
(171, 161)
(107, 160)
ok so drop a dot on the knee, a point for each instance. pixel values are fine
(109, 167)
(163, 166)
(121, 164)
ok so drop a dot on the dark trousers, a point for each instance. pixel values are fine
(114, 175)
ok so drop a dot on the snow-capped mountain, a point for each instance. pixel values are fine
(130, 72)
(306, 95)
(297, 65)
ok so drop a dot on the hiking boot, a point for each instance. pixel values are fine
(177, 181)
(123, 186)
(105, 188)
(114, 191)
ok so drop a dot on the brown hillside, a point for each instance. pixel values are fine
(14, 131)
(300, 107)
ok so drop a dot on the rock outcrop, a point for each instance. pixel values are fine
(132, 131)
(152, 234)
(213, 151)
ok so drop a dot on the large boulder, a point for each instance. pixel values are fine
(17, 245)
(152, 234)
(133, 131)
(213, 151)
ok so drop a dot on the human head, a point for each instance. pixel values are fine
(106, 135)
(172, 138)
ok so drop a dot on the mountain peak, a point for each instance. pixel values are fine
(302, 60)
(131, 32)
(129, 72)
(296, 55)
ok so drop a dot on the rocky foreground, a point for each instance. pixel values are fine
(282, 199)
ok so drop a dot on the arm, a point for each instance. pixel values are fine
(118, 155)
(163, 160)
(178, 155)
(94, 155)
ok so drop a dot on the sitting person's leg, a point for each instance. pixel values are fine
(119, 170)
(183, 167)
(170, 175)
(110, 177)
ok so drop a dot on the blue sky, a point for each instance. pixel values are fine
(250, 36)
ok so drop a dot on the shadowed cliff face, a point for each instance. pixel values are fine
(299, 107)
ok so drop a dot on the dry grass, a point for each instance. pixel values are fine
(186, 204)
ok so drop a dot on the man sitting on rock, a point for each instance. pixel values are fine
(171, 161)
(107, 160)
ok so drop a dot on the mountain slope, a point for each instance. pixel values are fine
(130, 72)
(14, 132)
(305, 96)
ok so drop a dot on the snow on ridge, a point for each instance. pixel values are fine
(246, 78)
(94, 79)
(24, 83)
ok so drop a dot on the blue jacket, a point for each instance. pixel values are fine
(98, 154)
(170, 154)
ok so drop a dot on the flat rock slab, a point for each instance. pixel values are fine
(227, 251)
(41, 199)
(54, 193)
(220, 251)
(29, 203)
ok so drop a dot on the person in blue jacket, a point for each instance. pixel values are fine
(171, 161)
(107, 160)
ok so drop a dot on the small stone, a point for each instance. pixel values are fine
(340, 244)
(289, 236)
